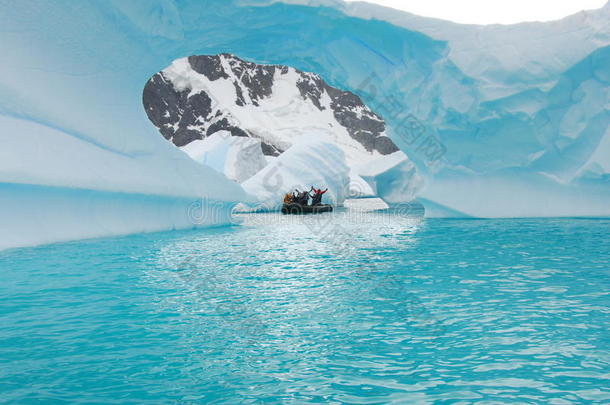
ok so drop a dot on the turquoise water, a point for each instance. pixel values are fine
(373, 309)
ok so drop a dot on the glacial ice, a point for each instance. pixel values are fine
(238, 158)
(57, 187)
(392, 178)
(34, 214)
(312, 161)
(522, 110)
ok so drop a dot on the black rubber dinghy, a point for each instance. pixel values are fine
(298, 209)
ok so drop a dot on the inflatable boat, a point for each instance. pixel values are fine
(298, 209)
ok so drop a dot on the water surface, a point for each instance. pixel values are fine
(362, 308)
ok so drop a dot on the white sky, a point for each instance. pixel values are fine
(493, 11)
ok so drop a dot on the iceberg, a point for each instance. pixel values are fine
(312, 161)
(56, 187)
(238, 158)
(392, 178)
(519, 113)
(520, 107)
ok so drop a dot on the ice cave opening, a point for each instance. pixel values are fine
(253, 122)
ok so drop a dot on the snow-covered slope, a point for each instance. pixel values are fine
(198, 96)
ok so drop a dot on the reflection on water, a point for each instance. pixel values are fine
(363, 305)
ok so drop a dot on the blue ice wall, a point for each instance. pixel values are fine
(77, 69)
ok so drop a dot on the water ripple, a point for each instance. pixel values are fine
(380, 309)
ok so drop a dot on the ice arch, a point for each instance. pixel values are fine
(71, 116)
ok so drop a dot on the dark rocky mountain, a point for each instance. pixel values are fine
(183, 101)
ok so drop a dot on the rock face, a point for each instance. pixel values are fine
(200, 95)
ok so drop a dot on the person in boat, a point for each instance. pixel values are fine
(288, 198)
(316, 198)
(303, 198)
(295, 198)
